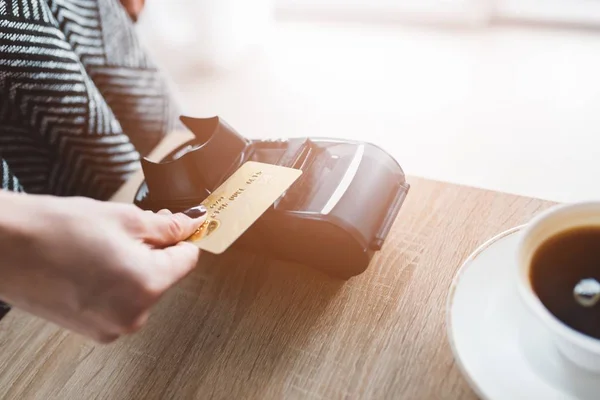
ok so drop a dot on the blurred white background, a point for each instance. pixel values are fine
(499, 94)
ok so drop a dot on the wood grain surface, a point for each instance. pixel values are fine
(243, 327)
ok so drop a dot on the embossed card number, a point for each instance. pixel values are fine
(239, 202)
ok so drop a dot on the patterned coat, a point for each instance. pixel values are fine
(79, 99)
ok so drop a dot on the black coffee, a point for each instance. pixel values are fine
(565, 274)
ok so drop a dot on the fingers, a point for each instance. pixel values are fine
(128, 306)
(172, 264)
(125, 314)
(167, 230)
(163, 228)
(180, 259)
(82, 325)
(156, 271)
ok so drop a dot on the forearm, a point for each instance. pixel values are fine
(16, 239)
(16, 209)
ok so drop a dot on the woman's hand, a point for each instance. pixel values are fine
(93, 267)
(133, 7)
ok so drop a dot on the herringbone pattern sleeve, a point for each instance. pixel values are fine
(79, 99)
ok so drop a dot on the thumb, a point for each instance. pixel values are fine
(164, 229)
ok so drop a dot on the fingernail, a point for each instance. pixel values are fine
(195, 212)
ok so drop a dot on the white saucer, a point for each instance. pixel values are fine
(501, 349)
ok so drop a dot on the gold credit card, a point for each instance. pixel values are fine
(240, 201)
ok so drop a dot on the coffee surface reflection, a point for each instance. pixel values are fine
(565, 272)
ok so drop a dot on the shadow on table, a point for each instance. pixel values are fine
(235, 328)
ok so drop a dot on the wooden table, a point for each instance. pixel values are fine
(243, 327)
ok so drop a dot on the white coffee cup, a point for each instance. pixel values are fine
(579, 348)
